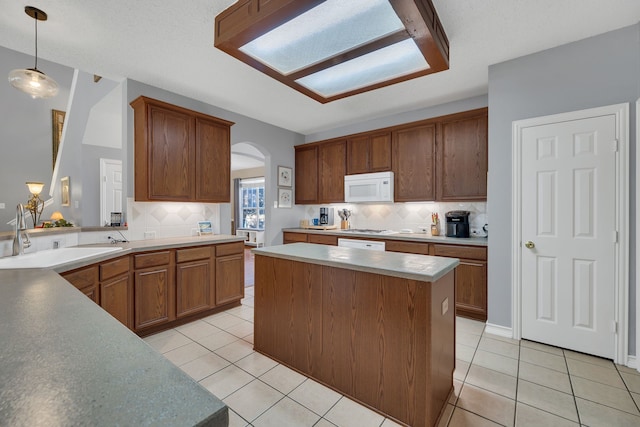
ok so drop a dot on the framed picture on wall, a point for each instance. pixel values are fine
(284, 176)
(204, 228)
(57, 119)
(284, 197)
(64, 191)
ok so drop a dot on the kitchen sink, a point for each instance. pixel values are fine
(53, 257)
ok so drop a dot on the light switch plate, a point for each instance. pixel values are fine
(445, 306)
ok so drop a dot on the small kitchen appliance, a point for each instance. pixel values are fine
(457, 223)
(326, 216)
(369, 188)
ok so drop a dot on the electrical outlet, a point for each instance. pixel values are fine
(149, 235)
(56, 244)
(2, 206)
(445, 306)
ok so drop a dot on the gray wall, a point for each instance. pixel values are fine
(26, 132)
(593, 72)
(274, 142)
(80, 162)
(401, 118)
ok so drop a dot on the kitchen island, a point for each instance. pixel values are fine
(376, 326)
(65, 361)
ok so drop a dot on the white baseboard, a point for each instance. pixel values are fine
(502, 331)
(632, 362)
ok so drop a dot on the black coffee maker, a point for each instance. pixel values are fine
(326, 216)
(457, 223)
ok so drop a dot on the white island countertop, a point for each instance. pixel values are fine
(409, 266)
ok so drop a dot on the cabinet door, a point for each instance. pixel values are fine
(358, 155)
(306, 175)
(332, 169)
(86, 280)
(322, 239)
(193, 287)
(154, 293)
(170, 154)
(213, 161)
(413, 163)
(289, 237)
(462, 159)
(229, 278)
(380, 153)
(116, 299)
(471, 289)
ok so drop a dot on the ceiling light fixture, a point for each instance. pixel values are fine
(331, 49)
(31, 80)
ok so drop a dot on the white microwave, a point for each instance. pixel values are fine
(368, 187)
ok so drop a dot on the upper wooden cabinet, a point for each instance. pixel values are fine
(320, 171)
(306, 171)
(180, 154)
(442, 159)
(462, 157)
(369, 153)
(332, 168)
(413, 163)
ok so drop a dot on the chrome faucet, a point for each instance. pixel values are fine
(21, 239)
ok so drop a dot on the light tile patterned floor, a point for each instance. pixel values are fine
(498, 381)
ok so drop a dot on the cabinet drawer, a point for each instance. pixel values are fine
(289, 237)
(455, 251)
(152, 259)
(193, 254)
(83, 277)
(323, 239)
(407, 247)
(229, 248)
(114, 268)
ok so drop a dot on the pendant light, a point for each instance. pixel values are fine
(31, 80)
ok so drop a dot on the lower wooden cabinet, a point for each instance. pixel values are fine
(86, 280)
(292, 237)
(471, 289)
(115, 295)
(194, 280)
(154, 296)
(151, 291)
(229, 272)
(471, 278)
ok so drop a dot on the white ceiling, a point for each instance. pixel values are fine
(169, 44)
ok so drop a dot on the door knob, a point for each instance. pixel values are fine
(530, 245)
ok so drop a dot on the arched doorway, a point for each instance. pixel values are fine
(248, 199)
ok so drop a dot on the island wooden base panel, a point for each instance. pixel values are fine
(386, 342)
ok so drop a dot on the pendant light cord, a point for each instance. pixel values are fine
(36, 13)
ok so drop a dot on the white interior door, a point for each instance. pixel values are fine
(568, 232)
(110, 189)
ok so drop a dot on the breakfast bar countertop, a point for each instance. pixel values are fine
(66, 361)
(409, 266)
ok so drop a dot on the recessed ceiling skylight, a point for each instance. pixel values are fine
(385, 64)
(329, 49)
(334, 27)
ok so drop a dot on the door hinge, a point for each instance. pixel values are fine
(614, 326)
(615, 237)
(616, 145)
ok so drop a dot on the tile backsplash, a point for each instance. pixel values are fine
(414, 216)
(168, 219)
